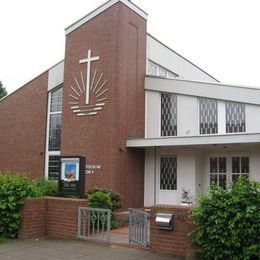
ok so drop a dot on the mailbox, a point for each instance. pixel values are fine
(164, 221)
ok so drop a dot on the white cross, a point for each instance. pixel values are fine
(88, 61)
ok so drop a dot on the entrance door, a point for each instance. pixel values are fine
(167, 180)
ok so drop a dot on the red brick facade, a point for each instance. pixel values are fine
(49, 216)
(118, 36)
(22, 128)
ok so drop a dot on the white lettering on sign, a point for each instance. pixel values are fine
(92, 168)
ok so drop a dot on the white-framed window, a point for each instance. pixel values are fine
(53, 134)
(235, 117)
(218, 170)
(240, 166)
(223, 169)
(208, 113)
(155, 69)
(168, 114)
(168, 173)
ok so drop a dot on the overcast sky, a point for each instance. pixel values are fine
(220, 36)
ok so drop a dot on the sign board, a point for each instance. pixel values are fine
(72, 176)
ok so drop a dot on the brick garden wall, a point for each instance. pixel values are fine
(174, 241)
(50, 216)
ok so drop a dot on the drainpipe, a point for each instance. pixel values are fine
(155, 166)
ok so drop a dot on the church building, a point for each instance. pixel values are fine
(149, 122)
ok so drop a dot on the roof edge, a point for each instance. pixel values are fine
(182, 57)
(26, 83)
(101, 9)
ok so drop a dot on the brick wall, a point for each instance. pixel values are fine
(118, 37)
(22, 124)
(50, 216)
(62, 217)
(174, 241)
(33, 218)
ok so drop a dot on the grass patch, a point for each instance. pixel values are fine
(3, 239)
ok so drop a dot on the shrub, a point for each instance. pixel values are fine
(41, 187)
(227, 222)
(99, 199)
(114, 196)
(13, 188)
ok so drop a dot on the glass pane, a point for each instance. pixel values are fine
(213, 165)
(152, 68)
(168, 114)
(56, 100)
(222, 165)
(235, 164)
(222, 180)
(244, 164)
(208, 116)
(55, 132)
(235, 177)
(213, 179)
(168, 174)
(162, 72)
(235, 117)
(54, 167)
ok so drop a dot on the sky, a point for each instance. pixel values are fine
(220, 36)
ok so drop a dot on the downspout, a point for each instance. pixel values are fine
(155, 166)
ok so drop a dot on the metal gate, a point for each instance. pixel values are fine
(94, 224)
(139, 227)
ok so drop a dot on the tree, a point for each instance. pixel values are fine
(3, 91)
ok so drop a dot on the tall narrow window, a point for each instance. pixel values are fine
(168, 114)
(235, 117)
(208, 116)
(53, 134)
(218, 170)
(168, 173)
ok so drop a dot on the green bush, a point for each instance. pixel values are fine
(227, 222)
(114, 196)
(99, 199)
(41, 187)
(13, 188)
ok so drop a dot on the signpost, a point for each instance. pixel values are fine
(72, 176)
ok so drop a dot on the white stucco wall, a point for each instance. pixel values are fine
(167, 58)
(187, 115)
(186, 176)
(255, 164)
(252, 115)
(149, 176)
(152, 114)
(192, 171)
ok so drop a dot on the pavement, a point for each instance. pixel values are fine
(46, 249)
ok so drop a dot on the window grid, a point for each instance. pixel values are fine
(168, 173)
(235, 117)
(168, 114)
(157, 70)
(218, 171)
(54, 133)
(208, 116)
(240, 167)
(54, 167)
